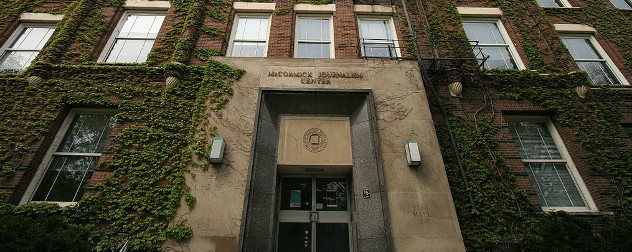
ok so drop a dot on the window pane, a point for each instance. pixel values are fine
(130, 51)
(554, 185)
(15, 61)
(581, 48)
(296, 194)
(621, 4)
(155, 26)
(313, 50)
(29, 42)
(534, 140)
(248, 49)
(499, 58)
(331, 194)
(87, 133)
(250, 28)
(143, 29)
(33, 38)
(382, 50)
(375, 29)
(598, 72)
(65, 179)
(484, 32)
(295, 237)
(589, 60)
(141, 26)
(315, 29)
(549, 3)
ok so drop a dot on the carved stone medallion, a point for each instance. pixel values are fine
(315, 140)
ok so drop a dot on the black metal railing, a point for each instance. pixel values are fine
(453, 53)
(384, 49)
(437, 53)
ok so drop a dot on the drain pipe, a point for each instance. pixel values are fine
(426, 79)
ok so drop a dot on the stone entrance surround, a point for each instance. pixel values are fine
(410, 208)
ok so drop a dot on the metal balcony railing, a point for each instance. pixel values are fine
(437, 54)
(453, 54)
(383, 49)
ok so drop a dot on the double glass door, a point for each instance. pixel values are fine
(313, 215)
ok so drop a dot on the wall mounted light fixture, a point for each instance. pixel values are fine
(216, 154)
(412, 153)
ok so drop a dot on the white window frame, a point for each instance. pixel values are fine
(48, 158)
(566, 158)
(509, 44)
(605, 58)
(234, 31)
(628, 2)
(391, 28)
(332, 51)
(564, 3)
(114, 36)
(16, 34)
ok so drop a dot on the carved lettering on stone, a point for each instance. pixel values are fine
(421, 213)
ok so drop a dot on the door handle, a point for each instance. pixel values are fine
(313, 216)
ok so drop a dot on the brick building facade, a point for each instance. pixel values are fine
(437, 72)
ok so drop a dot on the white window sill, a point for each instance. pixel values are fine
(253, 7)
(547, 7)
(569, 209)
(147, 5)
(59, 203)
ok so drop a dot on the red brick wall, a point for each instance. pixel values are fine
(282, 37)
(598, 184)
(17, 184)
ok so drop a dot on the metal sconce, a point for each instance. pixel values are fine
(216, 154)
(413, 156)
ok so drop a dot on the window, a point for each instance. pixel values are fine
(23, 46)
(549, 167)
(592, 59)
(622, 4)
(377, 38)
(314, 38)
(72, 158)
(494, 42)
(250, 36)
(134, 38)
(553, 3)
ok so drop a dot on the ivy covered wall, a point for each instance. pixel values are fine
(158, 142)
(501, 211)
(159, 136)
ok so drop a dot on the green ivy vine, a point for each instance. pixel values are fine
(165, 129)
(613, 24)
(149, 157)
(501, 211)
(594, 120)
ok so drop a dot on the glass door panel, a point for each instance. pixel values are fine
(295, 237)
(331, 194)
(313, 215)
(296, 194)
(332, 237)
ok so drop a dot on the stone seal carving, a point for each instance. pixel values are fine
(315, 140)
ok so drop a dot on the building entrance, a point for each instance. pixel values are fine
(313, 214)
